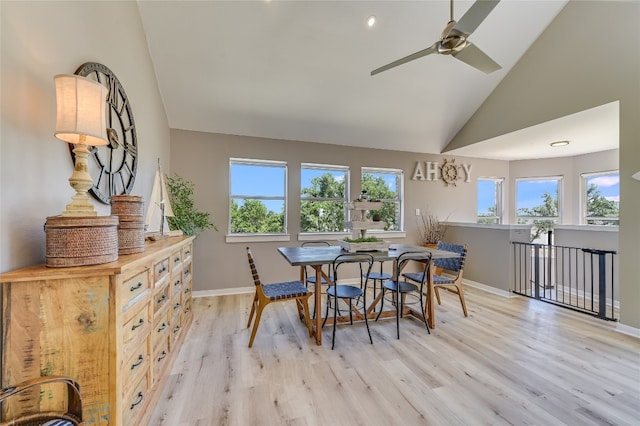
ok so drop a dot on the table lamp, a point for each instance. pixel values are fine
(81, 120)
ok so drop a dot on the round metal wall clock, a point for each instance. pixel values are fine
(112, 167)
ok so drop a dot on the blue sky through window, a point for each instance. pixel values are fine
(255, 180)
(608, 185)
(486, 196)
(530, 193)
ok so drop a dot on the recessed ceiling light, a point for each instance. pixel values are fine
(371, 20)
(559, 143)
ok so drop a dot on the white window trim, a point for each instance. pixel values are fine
(400, 172)
(499, 181)
(258, 237)
(560, 180)
(583, 195)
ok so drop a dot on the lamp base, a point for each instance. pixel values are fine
(81, 181)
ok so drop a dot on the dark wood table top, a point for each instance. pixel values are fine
(301, 256)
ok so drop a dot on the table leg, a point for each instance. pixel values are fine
(318, 297)
(430, 310)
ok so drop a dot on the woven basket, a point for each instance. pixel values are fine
(130, 236)
(127, 205)
(79, 241)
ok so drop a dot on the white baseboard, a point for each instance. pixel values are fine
(628, 330)
(488, 288)
(224, 292)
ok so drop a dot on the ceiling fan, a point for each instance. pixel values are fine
(454, 40)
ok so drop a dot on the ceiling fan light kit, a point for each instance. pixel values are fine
(454, 41)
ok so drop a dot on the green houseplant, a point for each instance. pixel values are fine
(187, 218)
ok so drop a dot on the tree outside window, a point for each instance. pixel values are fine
(323, 193)
(257, 196)
(601, 198)
(385, 185)
(537, 204)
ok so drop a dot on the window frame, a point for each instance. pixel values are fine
(560, 180)
(584, 219)
(270, 236)
(499, 199)
(343, 200)
(400, 191)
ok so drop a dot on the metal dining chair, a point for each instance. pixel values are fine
(346, 291)
(379, 276)
(310, 273)
(401, 288)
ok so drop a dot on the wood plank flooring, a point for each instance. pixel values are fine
(511, 362)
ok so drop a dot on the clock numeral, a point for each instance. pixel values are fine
(124, 105)
(113, 92)
(131, 149)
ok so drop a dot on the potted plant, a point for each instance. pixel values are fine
(432, 229)
(186, 217)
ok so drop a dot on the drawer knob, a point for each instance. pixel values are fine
(176, 306)
(138, 362)
(176, 329)
(162, 298)
(135, 287)
(138, 401)
(139, 324)
(163, 356)
(162, 327)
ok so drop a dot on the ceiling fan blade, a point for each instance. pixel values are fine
(472, 55)
(475, 15)
(413, 56)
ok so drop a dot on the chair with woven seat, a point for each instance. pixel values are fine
(277, 292)
(453, 267)
(401, 288)
(31, 409)
(349, 292)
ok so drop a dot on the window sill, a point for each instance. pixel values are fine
(257, 238)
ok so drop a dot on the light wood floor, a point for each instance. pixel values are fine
(511, 362)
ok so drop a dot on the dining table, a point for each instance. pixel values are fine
(317, 256)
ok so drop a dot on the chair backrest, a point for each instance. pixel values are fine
(254, 271)
(454, 264)
(365, 260)
(422, 257)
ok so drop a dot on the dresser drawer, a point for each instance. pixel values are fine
(161, 298)
(176, 286)
(137, 326)
(160, 332)
(133, 290)
(174, 260)
(160, 357)
(134, 401)
(186, 251)
(186, 272)
(160, 270)
(135, 364)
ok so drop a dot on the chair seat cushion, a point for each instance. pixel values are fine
(405, 287)
(379, 276)
(439, 279)
(344, 291)
(284, 290)
(414, 276)
(58, 422)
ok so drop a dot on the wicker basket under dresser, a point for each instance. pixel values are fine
(115, 328)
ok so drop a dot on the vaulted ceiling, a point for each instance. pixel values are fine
(300, 70)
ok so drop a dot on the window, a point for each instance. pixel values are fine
(600, 198)
(323, 192)
(258, 197)
(490, 200)
(385, 185)
(537, 201)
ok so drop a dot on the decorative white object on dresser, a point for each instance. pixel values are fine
(115, 328)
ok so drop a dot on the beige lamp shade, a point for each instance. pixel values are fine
(81, 116)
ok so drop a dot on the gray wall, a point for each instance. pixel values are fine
(204, 159)
(40, 40)
(565, 72)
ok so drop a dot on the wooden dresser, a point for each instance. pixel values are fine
(114, 328)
